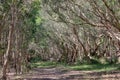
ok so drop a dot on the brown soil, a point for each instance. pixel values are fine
(64, 74)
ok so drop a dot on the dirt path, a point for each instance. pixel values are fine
(64, 74)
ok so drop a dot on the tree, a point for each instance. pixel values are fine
(18, 14)
(11, 29)
(103, 13)
(76, 14)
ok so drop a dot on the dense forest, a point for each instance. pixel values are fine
(68, 32)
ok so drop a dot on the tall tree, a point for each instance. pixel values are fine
(11, 30)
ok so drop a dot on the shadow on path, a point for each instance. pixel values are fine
(63, 74)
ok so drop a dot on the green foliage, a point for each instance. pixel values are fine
(95, 67)
(32, 19)
(87, 60)
(35, 32)
(35, 59)
(112, 60)
(43, 64)
(86, 67)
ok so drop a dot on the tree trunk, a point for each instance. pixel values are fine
(6, 56)
(79, 41)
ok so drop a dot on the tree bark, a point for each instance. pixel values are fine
(6, 56)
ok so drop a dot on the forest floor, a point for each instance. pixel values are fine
(59, 73)
(53, 71)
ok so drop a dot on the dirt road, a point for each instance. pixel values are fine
(64, 74)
